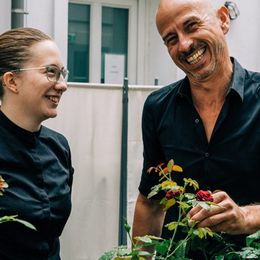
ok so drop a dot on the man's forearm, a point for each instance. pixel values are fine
(148, 217)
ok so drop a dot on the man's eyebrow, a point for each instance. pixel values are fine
(185, 23)
(191, 19)
(168, 35)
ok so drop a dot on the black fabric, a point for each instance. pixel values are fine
(172, 129)
(37, 168)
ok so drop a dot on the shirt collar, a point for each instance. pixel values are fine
(238, 79)
(236, 84)
(23, 135)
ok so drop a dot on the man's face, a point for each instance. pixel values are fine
(194, 34)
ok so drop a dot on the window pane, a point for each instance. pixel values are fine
(78, 42)
(114, 34)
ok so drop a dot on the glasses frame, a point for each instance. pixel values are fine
(61, 72)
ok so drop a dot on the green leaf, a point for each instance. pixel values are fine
(184, 205)
(162, 247)
(189, 196)
(7, 218)
(154, 190)
(155, 238)
(25, 223)
(203, 232)
(169, 203)
(191, 182)
(144, 239)
(145, 253)
(170, 165)
(127, 227)
(14, 218)
(204, 205)
(253, 238)
(219, 257)
(172, 225)
(180, 252)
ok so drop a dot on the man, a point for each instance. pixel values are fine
(209, 123)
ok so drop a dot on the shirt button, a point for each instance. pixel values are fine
(197, 121)
(206, 155)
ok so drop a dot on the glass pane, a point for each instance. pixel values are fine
(78, 42)
(114, 35)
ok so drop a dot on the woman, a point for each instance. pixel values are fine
(35, 161)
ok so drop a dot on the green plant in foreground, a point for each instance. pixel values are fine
(178, 246)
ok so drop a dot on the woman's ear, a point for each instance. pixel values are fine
(9, 81)
(223, 15)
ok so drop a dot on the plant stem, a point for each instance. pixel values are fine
(182, 242)
(132, 241)
(169, 253)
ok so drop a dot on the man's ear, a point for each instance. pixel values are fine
(9, 81)
(223, 15)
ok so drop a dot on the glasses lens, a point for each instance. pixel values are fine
(65, 74)
(52, 73)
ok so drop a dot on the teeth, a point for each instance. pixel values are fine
(196, 56)
(54, 99)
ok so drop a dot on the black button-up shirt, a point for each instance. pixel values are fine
(37, 168)
(230, 161)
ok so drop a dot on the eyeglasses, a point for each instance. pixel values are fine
(53, 73)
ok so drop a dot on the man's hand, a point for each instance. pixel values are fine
(227, 216)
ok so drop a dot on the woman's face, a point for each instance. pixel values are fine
(38, 97)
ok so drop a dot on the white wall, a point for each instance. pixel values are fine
(157, 62)
(92, 124)
(244, 34)
(5, 15)
(50, 16)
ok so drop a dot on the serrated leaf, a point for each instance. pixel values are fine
(154, 191)
(162, 247)
(180, 252)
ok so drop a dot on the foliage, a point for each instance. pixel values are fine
(13, 218)
(192, 237)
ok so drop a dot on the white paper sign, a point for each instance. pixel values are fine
(114, 68)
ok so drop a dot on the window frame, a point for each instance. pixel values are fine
(96, 37)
